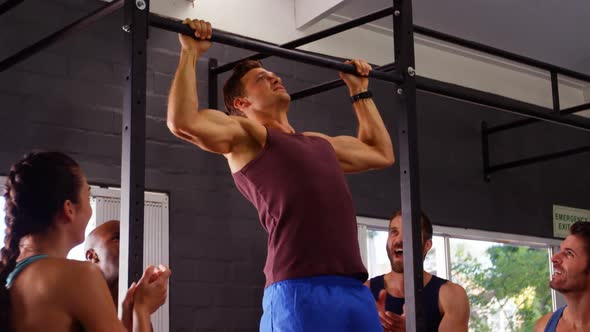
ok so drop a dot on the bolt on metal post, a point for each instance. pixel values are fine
(140, 4)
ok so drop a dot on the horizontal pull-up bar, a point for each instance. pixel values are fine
(524, 122)
(230, 39)
(60, 34)
(501, 102)
(332, 84)
(315, 36)
(8, 5)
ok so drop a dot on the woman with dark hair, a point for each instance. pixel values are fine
(47, 210)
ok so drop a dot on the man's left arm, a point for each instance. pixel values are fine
(372, 148)
(454, 306)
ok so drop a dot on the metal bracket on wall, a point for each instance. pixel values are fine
(489, 169)
(485, 132)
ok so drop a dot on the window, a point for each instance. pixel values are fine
(507, 284)
(506, 276)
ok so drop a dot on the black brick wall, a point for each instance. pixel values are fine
(69, 97)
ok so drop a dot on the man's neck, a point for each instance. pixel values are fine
(394, 282)
(281, 126)
(578, 306)
(276, 119)
(114, 289)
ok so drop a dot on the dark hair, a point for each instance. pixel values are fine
(36, 189)
(581, 229)
(233, 87)
(425, 224)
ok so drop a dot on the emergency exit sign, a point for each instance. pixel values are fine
(564, 217)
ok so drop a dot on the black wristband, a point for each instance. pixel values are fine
(362, 95)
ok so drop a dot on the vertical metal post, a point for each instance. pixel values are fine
(555, 91)
(448, 266)
(212, 84)
(408, 160)
(485, 151)
(133, 149)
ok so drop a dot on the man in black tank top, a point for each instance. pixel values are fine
(446, 306)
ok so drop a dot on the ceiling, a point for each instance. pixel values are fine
(553, 31)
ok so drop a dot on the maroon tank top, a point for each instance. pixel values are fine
(298, 187)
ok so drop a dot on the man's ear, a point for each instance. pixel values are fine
(91, 256)
(241, 103)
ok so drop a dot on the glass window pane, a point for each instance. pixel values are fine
(507, 285)
(378, 262)
(435, 259)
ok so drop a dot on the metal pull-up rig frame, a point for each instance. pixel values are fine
(401, 72)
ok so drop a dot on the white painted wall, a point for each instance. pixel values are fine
(274, 21)
(449, 63)
(269, 20)
(308, 12)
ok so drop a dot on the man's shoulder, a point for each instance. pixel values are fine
(454, 303)
(449, 288)
(377, 280)
(542, 322)
(452, 295)
(382, 276)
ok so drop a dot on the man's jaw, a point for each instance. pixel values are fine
(557, 273)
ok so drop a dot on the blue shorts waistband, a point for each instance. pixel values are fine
(321, 280)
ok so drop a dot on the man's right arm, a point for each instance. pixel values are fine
(454, 305)
(209, 129)
(542, 323)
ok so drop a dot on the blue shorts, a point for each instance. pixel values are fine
(322, 304)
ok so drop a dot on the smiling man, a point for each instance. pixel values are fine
(446, 306)
(571, 277)
(102, 249)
